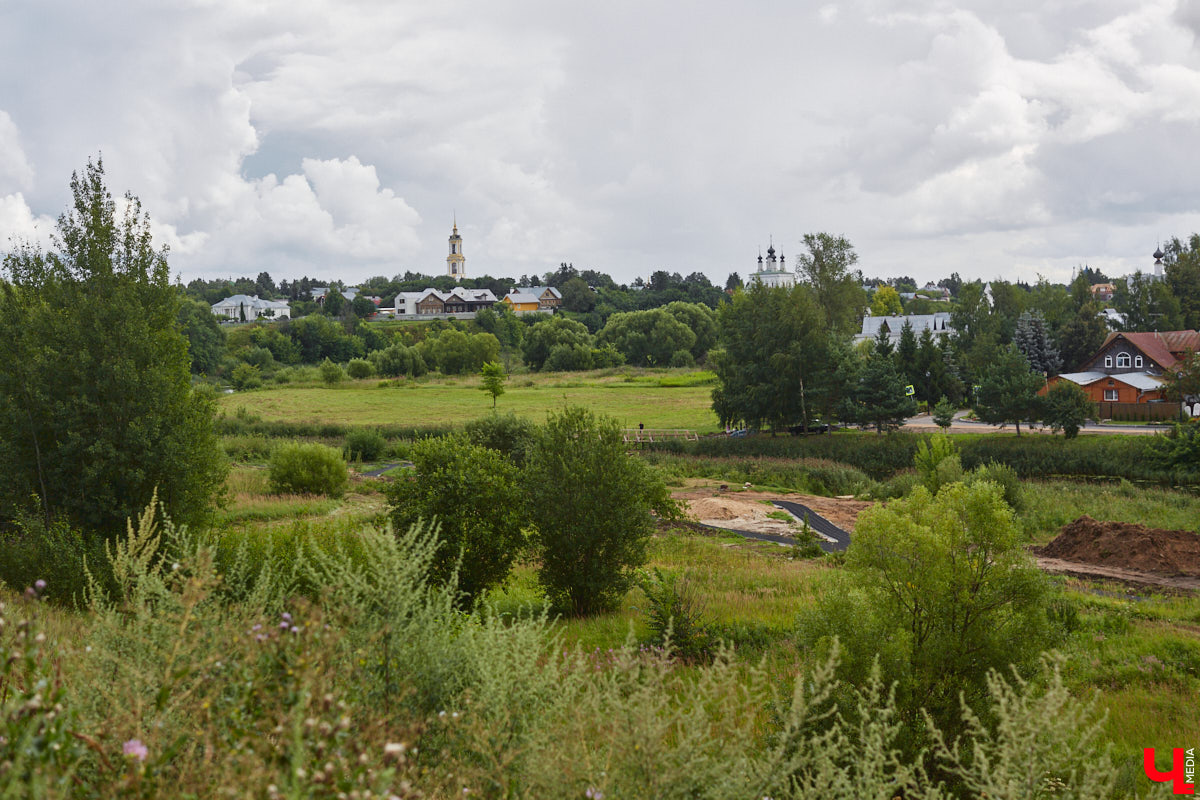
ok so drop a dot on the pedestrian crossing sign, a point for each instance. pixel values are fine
(909, 391)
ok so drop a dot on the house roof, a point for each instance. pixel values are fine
(521, 297)
(538, 291)
(935, 322)
(1164, 347)
(250, 301)
(1138, 380)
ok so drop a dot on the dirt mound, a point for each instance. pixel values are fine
(727, 508)
(1126, 545)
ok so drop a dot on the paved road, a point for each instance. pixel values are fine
(830, 537)
(835, 538)
(924, 422)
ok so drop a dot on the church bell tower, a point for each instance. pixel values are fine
(456, 262)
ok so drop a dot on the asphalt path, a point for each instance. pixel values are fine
(375, 473)
(924, 422)
(835, 539)
(830, 538)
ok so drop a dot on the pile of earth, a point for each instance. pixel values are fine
(1125, 545)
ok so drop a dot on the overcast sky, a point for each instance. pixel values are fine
(337, 138)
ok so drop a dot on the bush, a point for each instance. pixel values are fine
(683, 358)
(507, 433)
(936, 620)
(474, 497)
(308, 469)
(674, 615)
(365, 445)
(591, 505)
(937, 462)
(1003, 476)
(331, 373)
(54, 553)
(359, 368)
(245, 376)
(1067, 408)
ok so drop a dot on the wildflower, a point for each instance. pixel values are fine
(134, 749)
(256, 627)
(286, 617)
(295, 629)
(394, 749)
(40, 585)
(593, 793)
(283, 626)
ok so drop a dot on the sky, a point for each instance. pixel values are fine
(340, 139)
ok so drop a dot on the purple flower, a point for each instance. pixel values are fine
(40, 585)
(135, 749)
(295, 629)
(257, 628)
(283, 626)
(286, 616)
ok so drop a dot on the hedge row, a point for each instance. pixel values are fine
(237, 426)
(1032, 456)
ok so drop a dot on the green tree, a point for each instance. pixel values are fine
(940, 591)
(97, 409)
(1182, 273)
(877, 396)
(1148, 304)
(335, 303)
(493, 380)
(1008, 391)
(475, 496)
(701, 320)
(774, 367)
(943, 413)
(1032, 338)
(646, 338)
(577, 297)
(362, 306)
(544, 334)
(591, 504)
(331, 373)
(1067, 408)
(206, 340)
(1081, 336)
(828, 267)
(886, 302)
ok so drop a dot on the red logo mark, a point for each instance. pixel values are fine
(1183, 770)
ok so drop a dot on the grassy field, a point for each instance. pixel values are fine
(654, 398)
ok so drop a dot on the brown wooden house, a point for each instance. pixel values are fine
(1132, 367)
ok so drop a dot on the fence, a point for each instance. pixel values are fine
(1139, 412)
(650, 435)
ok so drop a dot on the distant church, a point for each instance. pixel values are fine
(456, 262)
(772, 273)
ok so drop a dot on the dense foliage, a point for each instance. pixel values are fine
(97, 409)
(308, 469)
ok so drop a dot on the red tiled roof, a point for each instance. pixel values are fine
(1165, 347)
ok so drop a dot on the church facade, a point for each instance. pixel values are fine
(456, 262)
(772, 273)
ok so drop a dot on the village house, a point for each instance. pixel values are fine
(549, 298)
(250, 308)
(522, 302)
(1132, 367)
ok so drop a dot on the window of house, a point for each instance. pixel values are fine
(1123, 360)
(1137, 361)
(1108, 361)
(1110, 395)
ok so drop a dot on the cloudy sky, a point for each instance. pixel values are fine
(337, 138)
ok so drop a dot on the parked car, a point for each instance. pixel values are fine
(814, 426)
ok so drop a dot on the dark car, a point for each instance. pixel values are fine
(815, 426)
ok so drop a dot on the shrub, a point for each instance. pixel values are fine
(941, 592)
(331, 373)
(1067, 407)
(363, 444)
(509, 434)
(308, 469)
(474, 497)
(54, 553)
(675, 615)
(943, 413)
(937, 462)
(591, 505)
(683, 358)
(245, 376)
(1003, 476)
(359, 368)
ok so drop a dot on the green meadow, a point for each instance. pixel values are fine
(654, 398)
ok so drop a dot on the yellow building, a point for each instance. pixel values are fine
(519, 301)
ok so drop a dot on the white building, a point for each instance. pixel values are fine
(773, 273)
(251, 308)
(938, 324)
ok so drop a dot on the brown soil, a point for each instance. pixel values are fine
(745, 510)
(1127, 546)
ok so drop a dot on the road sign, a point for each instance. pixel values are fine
(909, 391)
